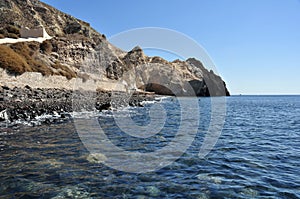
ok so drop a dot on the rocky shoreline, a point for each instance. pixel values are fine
(74, 52)
(27, 104)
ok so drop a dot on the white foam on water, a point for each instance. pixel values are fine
(162, 98)
(148, 102)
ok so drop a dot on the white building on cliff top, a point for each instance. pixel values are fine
(38, 34)
(33, 33)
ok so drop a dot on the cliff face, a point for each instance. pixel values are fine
(73, 40)
(78, 51)
(181, 78)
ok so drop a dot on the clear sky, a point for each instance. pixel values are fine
(255, 44)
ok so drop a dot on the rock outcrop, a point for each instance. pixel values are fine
(78, 51)
(27, 104)
(154, 74)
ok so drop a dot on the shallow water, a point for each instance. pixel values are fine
(256, 156)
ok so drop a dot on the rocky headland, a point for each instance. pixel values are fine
(41, 77)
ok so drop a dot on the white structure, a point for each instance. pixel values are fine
(38, 34)
(33, 33)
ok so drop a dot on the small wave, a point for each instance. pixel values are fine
(162, 98)
(124, 111)
(148, 102)
(156, 100)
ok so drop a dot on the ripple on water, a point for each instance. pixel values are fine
(256, 156)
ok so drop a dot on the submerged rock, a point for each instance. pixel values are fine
(96, 158)
(209, 178)
(153, 191)
(25, 188)
(249, 193)
(73, 192)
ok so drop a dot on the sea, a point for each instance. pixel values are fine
(226, 147)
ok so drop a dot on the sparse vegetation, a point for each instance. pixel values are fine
(46, 47)
(12, 35)
(12, 62)
(3, 31)
(13, 29)
(28, 53)
(34, 46)
(20, 57)
(10, 31)
(64, 70)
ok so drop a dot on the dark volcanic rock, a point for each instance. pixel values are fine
(27, 104)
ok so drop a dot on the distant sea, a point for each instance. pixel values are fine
(257, 156)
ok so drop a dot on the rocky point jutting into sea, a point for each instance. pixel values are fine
(38, 77)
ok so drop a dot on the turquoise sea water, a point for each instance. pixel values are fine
(256, 156)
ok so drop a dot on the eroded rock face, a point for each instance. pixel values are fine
(154, 74)
(213, 85)
(77, 48)
(73, 41)
(160, 78)
(6, 4)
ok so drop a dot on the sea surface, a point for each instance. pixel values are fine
(257, 155)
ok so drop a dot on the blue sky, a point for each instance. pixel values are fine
(254, 44)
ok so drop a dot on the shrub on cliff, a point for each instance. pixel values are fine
(64, 71)
(46, 47)
(12, 62)
(13, 29)
(28, 51)
(22, 57)
(12, 35)
(10, 31)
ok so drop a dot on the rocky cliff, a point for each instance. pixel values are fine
(78, 51)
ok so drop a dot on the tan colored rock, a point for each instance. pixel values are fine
(78, 50)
